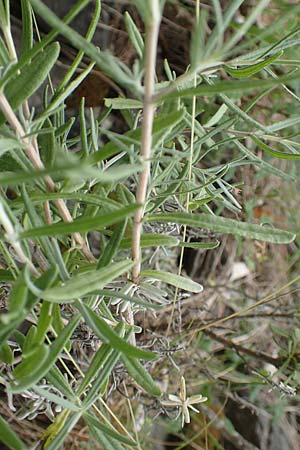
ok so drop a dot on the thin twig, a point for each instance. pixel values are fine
(269, 298)
(229, 343)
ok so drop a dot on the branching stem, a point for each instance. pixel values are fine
(152, 30)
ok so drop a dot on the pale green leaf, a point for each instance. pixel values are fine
(9, 437)
(106, 429)
(271, 151)
(55, 349)
(224, 225)
(173, 279)
(108, 335)
(82, 224)
(85, 283)
(252, 69)
(141, 375)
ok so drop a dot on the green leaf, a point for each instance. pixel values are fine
(110, 294)
(113, 245)
(55, 349)
(266, 148)
(58, 400)
(59, 99)
(200, 245)
(141, 375)
(263, 165)
(84, 283)
(7, 144)
(106, 429)
(98, 362)
(108, 335)
(32, 362)
(44, 322)
(60, 429)
(223, 87)
(82, 224)
(224, 225)
(198, 39)
(153, 240)
(55, 377)
(252, 69)
(250, 19)
(31, 77)
(173, 279)
(109, 361)
(123, 103)
(76, 62)
(134, 34)
(9, 437)
(106, 441)
(28, 346)
(6, 275)
(9, 323)
(4, 55)
(6, 353)
(26, 58)
(162, 124)
(27, 32)
(18, 295)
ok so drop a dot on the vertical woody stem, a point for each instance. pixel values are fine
(37, 163)
(152, 30)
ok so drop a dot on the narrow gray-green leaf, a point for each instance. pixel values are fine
(271, 151)
(173, 279)
(6, 275)
(141, 375)
(55, 349)
(32, 362)
(27, 32)
(224, 225)
(31, 77)
(18, 295)
(107, 430)
(84, 283)
(7, 144)
(106, 441)
(200, 245)
(97, 364)
(54, 398)
(62, 431)
(81, 225)
(107, 334)
(252, 69)
(123, 103)
(113, 245)
(153, 240)
(223, 87)
(9, 437)
(134, 34)
(108, 364)
(6, 353)
(162, 123)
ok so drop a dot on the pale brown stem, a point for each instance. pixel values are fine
(152, 30)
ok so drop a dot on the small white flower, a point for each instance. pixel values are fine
(184, 402)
